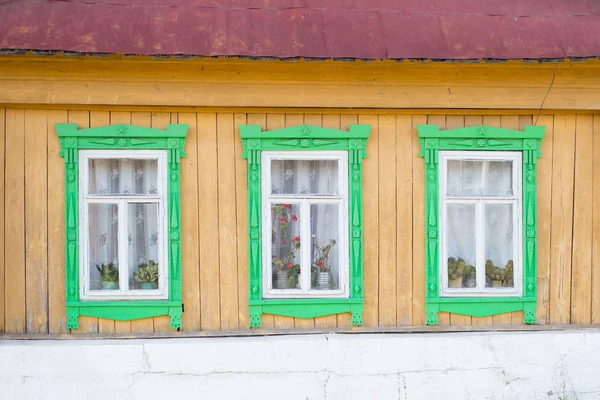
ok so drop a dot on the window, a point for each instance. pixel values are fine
(305, 214)
(480, 198)
(480, 233)
(123, 230)
(123, 201)
(305, 221)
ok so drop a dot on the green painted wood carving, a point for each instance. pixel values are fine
(122, 137)
(299, 138)
(480, 138)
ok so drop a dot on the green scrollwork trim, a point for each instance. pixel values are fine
(122, 137)
(480, 138)
(305, 137)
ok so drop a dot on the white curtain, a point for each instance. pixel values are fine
(479, 178)
(124, 177)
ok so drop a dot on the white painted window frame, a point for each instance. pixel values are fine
(516, 199)
(305, 235)
(123, 293)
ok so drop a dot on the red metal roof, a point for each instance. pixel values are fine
(366, 29)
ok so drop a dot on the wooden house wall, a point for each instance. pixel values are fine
(214, 218)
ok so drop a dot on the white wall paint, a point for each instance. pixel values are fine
(509, 365)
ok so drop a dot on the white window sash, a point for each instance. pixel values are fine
(123, 201)
(480, 201)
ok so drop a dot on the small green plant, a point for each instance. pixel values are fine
(502, 275)
(458, 268)
(108, 272)
(147, 273)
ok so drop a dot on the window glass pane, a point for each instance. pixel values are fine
(285, 246)
(304, 177)
(324, 229)
(479, 178)
(103, 246)
(499, 245)
(461, 246)
(143, 245)
(123, 176)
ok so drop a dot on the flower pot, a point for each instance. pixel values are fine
(470, 281)
(281, 279)
(147, 285)
(455, 283)
(110, 285)
(496, 283)
(323, 280)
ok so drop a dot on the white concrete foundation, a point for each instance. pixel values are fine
(502, 365)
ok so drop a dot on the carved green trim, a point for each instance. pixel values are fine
(305, 137)
(125, 137)
(480, 138)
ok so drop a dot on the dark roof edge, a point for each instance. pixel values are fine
(246, 57)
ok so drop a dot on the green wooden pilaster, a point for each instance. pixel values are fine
(122, 137)
(305, 137)
(479, 138)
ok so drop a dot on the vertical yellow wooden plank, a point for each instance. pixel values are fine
(241, 196)
(121, 117)
(227, 222)
(371, 222)
(581, 300)
(345, 319)
(329, 321)
(190, 271)
(57, 318)
(36, 218)
(418, 226)
(404, 219)
(544, 214)
(387, 273)
(443, 317)
(474, 120)
(562, 219)
(316, 120)
(452, 122)
(596, 225)
(2, 210)
(267, 320)
(277, 121)
(143, 325)
(208, 222)
(14, 229)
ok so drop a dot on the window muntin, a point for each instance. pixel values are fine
(314, 202)
(123, 202)
(480, 209)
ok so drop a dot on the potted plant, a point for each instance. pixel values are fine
(456, 270)
(500, 276)
(109, 274)
(321, 265)
(285, 270)
(147, 275)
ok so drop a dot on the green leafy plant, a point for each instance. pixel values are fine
(147, 273)
(282, 215)
(504, 275)
(108, 272)
(458, 268)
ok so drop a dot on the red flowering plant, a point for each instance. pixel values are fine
(321, 261)
(281, 218)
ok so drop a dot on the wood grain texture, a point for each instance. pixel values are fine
(562, 219)
(404, 219)
(227, 222)
(57, 318)
(596, 225)
(418, 227)
(190, 271)
(36, 217)
(544, 219)
(581, 275)
(14, 229)
(208, 219)
(371, 222)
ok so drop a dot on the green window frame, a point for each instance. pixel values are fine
(122, 137)
(305, 138)
(480, 138)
